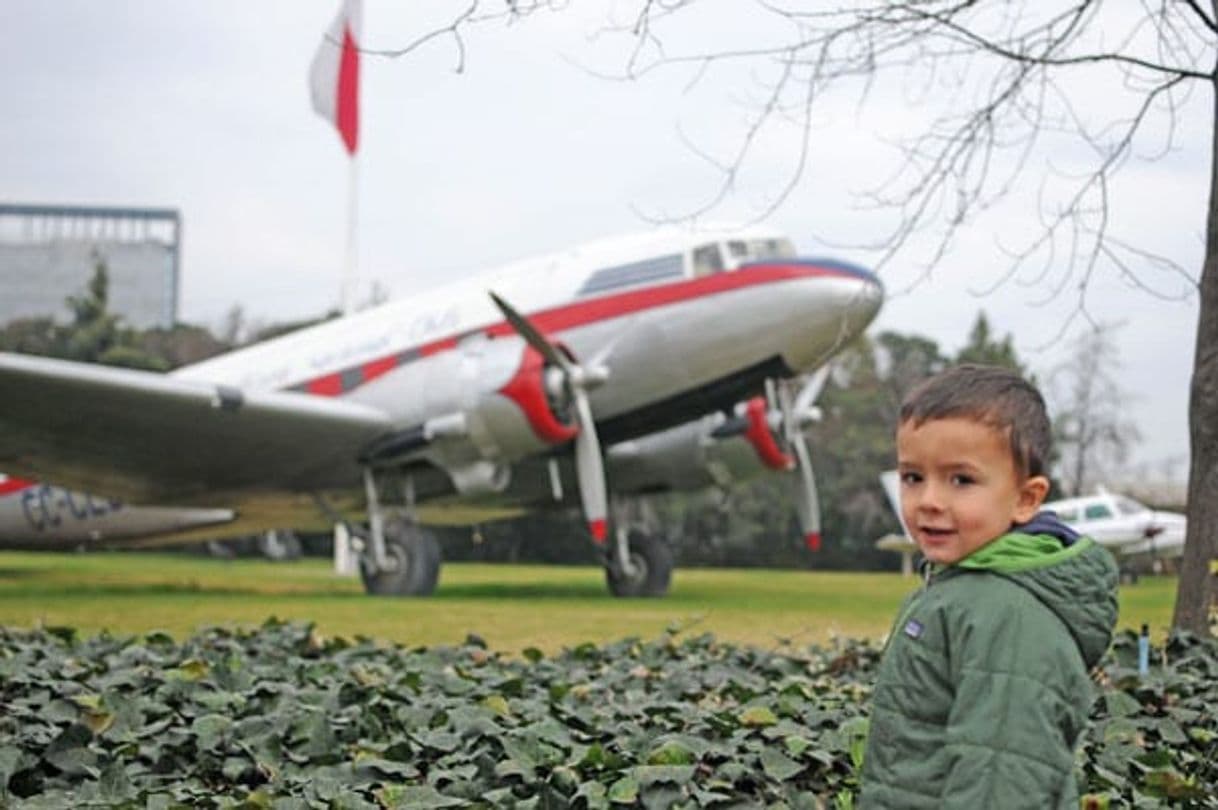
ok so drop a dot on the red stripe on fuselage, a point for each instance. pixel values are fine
(330, 385)
(581, 313)
(10, 485)
(376, 368)
(435, 347)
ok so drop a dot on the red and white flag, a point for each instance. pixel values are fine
(334, 75)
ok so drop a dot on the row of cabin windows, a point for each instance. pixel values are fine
(705, 260)
(1097, 511)
(1101, 511)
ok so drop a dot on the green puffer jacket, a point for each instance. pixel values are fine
(984, 687)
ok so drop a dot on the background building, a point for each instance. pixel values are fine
(47, 252)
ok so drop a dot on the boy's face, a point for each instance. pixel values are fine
(959, 486)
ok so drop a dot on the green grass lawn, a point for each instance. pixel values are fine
(511, 606)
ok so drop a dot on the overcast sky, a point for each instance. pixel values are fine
(203, 106)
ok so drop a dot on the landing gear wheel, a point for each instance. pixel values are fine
(652, 561)
(412, 557)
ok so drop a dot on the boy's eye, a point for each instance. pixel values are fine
(962, 480)
(910, 477)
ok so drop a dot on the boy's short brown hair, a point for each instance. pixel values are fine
(994, 396)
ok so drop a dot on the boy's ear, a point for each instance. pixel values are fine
(1032, 494)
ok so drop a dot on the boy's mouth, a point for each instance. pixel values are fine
(932, 533)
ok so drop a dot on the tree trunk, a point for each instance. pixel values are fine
(1084, 442)
(1198, 587)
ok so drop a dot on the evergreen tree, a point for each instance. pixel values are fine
(984, 349)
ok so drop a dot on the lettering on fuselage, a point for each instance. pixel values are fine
(48, 507)
(365, 348)
(422, 327)
(434, 324)
(420, 330)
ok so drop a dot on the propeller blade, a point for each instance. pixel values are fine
(533, 336)
(786, 411)
(807, 502)
(590, 469)
(771, 393)
(811, 390)
(589, 465)
(795, 412)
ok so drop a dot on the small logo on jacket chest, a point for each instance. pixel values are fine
(913, 628)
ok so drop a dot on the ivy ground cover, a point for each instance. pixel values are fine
(280, 717)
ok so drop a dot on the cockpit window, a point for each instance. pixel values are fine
(774, 249)
(707, 260)
(755, 250)
(634, 274)
(1097, 511)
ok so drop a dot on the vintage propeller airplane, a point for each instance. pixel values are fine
(627, 366)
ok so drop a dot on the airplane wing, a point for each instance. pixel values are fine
(148, 437)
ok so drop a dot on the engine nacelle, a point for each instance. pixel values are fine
(715, 450)
(501, 402)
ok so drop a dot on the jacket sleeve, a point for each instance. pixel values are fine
(1012, 724)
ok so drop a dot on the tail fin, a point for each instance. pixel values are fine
(891, 481)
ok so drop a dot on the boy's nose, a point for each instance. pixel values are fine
(929, 497)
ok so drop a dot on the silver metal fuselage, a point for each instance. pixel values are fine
(674, 351)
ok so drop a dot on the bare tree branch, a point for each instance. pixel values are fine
(1206, 20)
(514, 10)
(999, 49)
(451, 29)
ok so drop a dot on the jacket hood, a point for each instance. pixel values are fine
(1047, 522)
(1073, 576)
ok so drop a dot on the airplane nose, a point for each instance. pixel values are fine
(836, 302)
(863, 303)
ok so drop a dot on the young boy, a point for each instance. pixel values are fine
(984, 687)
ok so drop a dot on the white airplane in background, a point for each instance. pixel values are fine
(644, 364)
(1126, 527)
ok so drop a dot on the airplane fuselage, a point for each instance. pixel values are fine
(468, 399)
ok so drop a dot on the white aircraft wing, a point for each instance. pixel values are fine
(148, 437)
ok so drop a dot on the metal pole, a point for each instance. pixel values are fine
(350, 270)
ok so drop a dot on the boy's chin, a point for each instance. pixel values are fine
(941, 554)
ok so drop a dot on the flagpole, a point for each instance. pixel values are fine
(350, 266)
